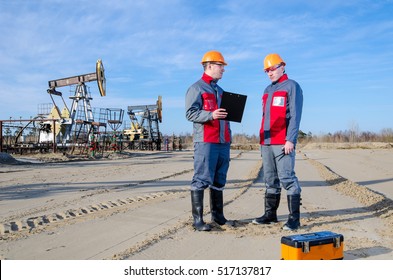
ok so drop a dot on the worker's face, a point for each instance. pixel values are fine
(215, 70)
(275, 72)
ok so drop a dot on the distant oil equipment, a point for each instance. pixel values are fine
(144, 132)
(82, 129)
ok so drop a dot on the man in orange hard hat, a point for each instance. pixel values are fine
(282, 104)
(212, 138)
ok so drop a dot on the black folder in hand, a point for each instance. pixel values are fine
(234, 104)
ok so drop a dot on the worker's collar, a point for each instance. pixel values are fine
(283, 78)
(208, 79)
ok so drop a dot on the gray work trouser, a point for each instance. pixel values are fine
(211, 163)
(279, 170)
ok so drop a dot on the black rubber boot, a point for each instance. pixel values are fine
(217, 208)
(197, 211)
(293, 222)
(272, 201)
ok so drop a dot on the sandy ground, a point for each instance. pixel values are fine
(136, 205)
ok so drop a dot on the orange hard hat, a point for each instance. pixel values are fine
(213, 56)
(271, 60)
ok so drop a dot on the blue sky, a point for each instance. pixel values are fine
(340, 52)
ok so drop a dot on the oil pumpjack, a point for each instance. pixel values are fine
(75, 125)
(144, 132)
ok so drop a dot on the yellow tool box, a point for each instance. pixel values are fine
(323, 245)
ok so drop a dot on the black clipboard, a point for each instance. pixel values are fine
(234, 104)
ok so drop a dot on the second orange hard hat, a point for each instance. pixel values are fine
(271, 60)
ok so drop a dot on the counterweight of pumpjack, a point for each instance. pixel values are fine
(243, 270)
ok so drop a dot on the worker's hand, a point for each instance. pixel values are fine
(289, 147)
(219, 114)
